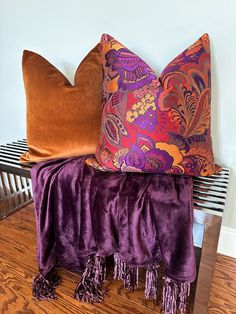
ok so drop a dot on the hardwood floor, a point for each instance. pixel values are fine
(18, 266)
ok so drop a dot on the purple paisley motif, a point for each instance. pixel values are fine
(147, 121)
(133, 72)
(152, 159)
(157, 159)
(135, 157)
(143, 140)
(179, 141)
(192, 165)
(176, 170)
(113, 128)
(117, 98)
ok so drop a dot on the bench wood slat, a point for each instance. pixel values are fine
(8, 153)
(17, 146)
(10, 149)
(210, 184)
(9, 157)
(210, 179)
(20, 144)
(206, 193)
(204, 205)
(17, 149)
(209, 199)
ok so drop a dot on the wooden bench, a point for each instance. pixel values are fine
(209, 196)
(15, 182)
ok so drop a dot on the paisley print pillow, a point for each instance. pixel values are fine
(151, 123)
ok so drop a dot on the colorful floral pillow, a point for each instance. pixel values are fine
(156, 124)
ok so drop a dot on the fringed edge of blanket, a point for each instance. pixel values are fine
(174, 294)
(89, 289)
(43, 287)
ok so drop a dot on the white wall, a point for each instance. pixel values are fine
(64, 31)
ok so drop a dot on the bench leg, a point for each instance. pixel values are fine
(212, 225)
(15, 193)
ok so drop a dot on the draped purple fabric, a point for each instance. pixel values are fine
(146, 218)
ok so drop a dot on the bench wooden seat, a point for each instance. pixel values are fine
(9, 158)
(209, 197)
(15, 182)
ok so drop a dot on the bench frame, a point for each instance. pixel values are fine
(15, 185)
(208, 213)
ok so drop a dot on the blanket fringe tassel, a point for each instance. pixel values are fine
(43, 287)
(174, 293)
(174, 296)
(151, 284)
(89, 288)
(129, 274)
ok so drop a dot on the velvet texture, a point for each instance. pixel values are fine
(62, 120)
(156, 123)
(143, 218)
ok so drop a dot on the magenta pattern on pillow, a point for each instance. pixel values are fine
(156, 124)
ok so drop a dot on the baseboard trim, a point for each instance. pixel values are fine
(227, 242)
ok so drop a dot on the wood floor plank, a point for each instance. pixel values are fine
(12, 302)
(223, 294)
(13, 247)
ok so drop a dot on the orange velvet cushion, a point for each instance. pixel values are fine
(63, 120)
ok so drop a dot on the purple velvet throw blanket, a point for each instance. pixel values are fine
(83, 216)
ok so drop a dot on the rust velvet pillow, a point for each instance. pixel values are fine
(63, 120)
